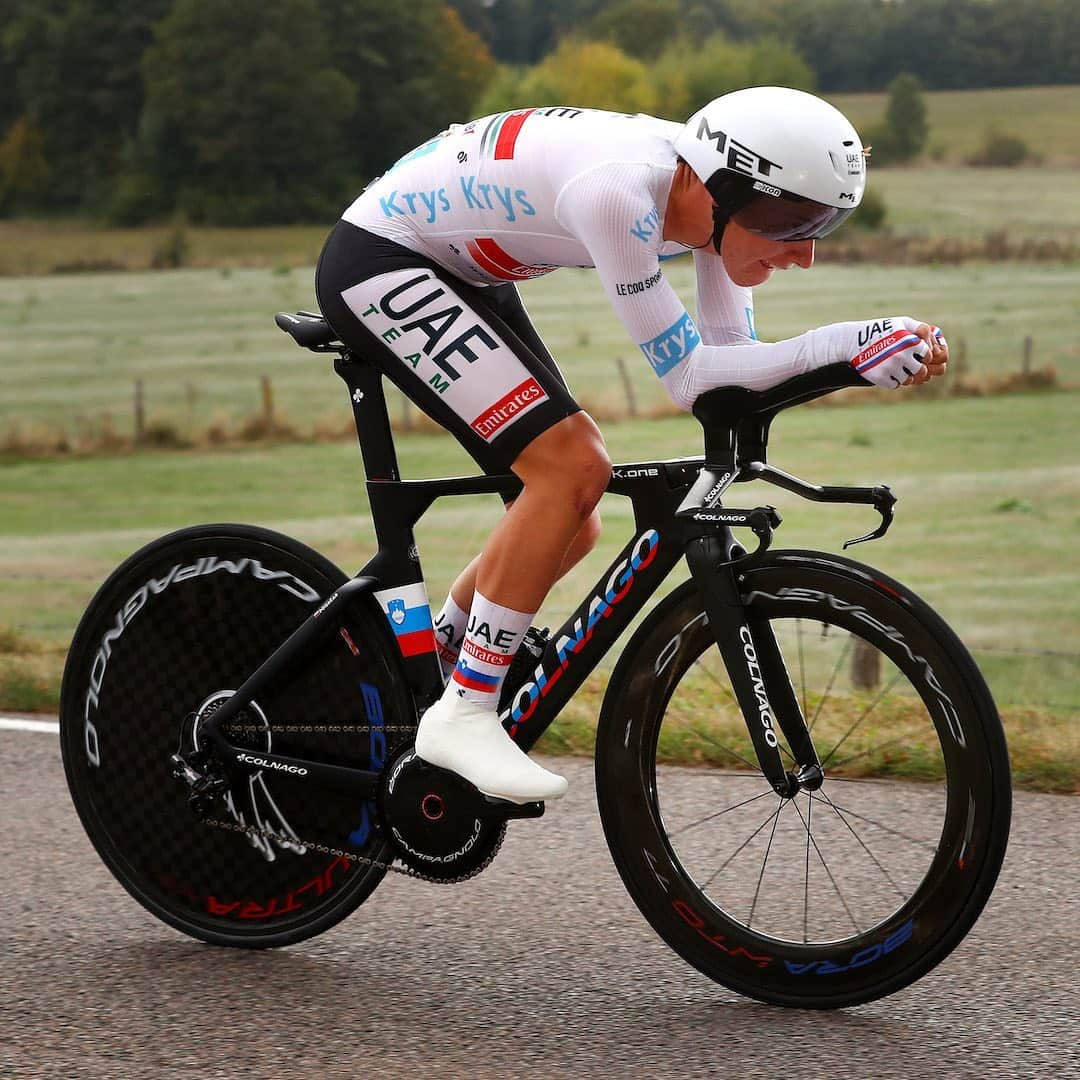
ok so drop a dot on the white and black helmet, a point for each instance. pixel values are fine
(779, 162)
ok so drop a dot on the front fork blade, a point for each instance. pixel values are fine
(756, 669)
(782, 697)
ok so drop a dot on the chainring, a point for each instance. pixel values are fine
(438, 823)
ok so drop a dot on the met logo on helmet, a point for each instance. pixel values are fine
(740, 158)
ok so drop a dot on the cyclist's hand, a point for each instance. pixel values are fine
(900, 351)
(936, 357)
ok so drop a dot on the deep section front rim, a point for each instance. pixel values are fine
(723, 868)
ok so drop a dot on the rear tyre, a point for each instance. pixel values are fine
(166, 640)
(843, 894)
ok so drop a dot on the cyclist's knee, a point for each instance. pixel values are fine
(569, 461)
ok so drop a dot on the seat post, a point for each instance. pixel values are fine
(373, 430)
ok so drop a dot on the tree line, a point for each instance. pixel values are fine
(243, 112)
(850, 44)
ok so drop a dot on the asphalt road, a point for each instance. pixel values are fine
(541, 967)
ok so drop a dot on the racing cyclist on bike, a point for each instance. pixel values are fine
(420, 275)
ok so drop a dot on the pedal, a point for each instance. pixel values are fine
(504, 809)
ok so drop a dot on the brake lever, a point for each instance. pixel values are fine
(884, 501)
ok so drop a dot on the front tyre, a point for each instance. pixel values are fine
(167, 639)
(840, 895)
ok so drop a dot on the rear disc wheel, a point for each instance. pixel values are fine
(166, 641)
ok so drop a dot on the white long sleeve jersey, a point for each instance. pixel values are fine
(517, 195)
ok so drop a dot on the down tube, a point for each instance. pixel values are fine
(579, 644)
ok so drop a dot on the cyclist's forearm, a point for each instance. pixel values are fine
(755, 365)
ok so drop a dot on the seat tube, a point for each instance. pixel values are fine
(733, 635)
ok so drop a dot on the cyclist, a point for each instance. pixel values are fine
(420, 274)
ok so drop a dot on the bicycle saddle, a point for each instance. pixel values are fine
(308, 329)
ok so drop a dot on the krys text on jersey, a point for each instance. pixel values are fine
(511, 203)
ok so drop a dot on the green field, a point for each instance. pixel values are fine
(933, 197)
(1024, 204)
(1044, 116)
(1028, 203)
(985, 531)
(71, 347)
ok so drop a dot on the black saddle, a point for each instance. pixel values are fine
(309, 330)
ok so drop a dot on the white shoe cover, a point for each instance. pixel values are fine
(468, 739)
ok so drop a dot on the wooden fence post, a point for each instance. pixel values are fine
(865, 665)
(268, 402)
(961, 357)
(628, 387)
(1029, 345)
(140, 413)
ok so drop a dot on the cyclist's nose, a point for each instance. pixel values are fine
(802, 253)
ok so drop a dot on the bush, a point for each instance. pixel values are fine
(871, 212)
(172, 251)
(903, 134)
(1002, 150)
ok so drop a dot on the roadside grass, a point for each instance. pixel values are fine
(1022, 203)
(1044, 116)
(30, 246)
(71, 348)
(985, 529)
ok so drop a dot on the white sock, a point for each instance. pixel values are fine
(491, 639)
(449, 626)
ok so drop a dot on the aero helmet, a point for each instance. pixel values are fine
(779, 162)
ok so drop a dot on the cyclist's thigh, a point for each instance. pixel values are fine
(506, 302)
(443, 343)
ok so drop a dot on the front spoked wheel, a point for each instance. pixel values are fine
(164, 644)
(839, 895)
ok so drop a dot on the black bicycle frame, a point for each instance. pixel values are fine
(677, 511)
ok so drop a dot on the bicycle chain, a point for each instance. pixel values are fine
(324, 849)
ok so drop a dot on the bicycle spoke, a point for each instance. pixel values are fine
(901, 738)
(806, 875)
(886, 828)
(723, 686)
(698, 663)
(802, 667)
(866, 712)
(764, 860)
(832, 679)
(806, 822)
(752, 765)
(720, 869)
(719, 813)
(859, 839)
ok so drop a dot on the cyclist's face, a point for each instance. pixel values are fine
(750, 259)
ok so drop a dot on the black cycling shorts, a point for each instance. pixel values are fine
(468, 356)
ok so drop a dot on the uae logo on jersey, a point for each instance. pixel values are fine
(501, 134)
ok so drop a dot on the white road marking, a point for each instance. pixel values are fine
(10, 723)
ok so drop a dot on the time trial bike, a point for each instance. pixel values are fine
(238, 715)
